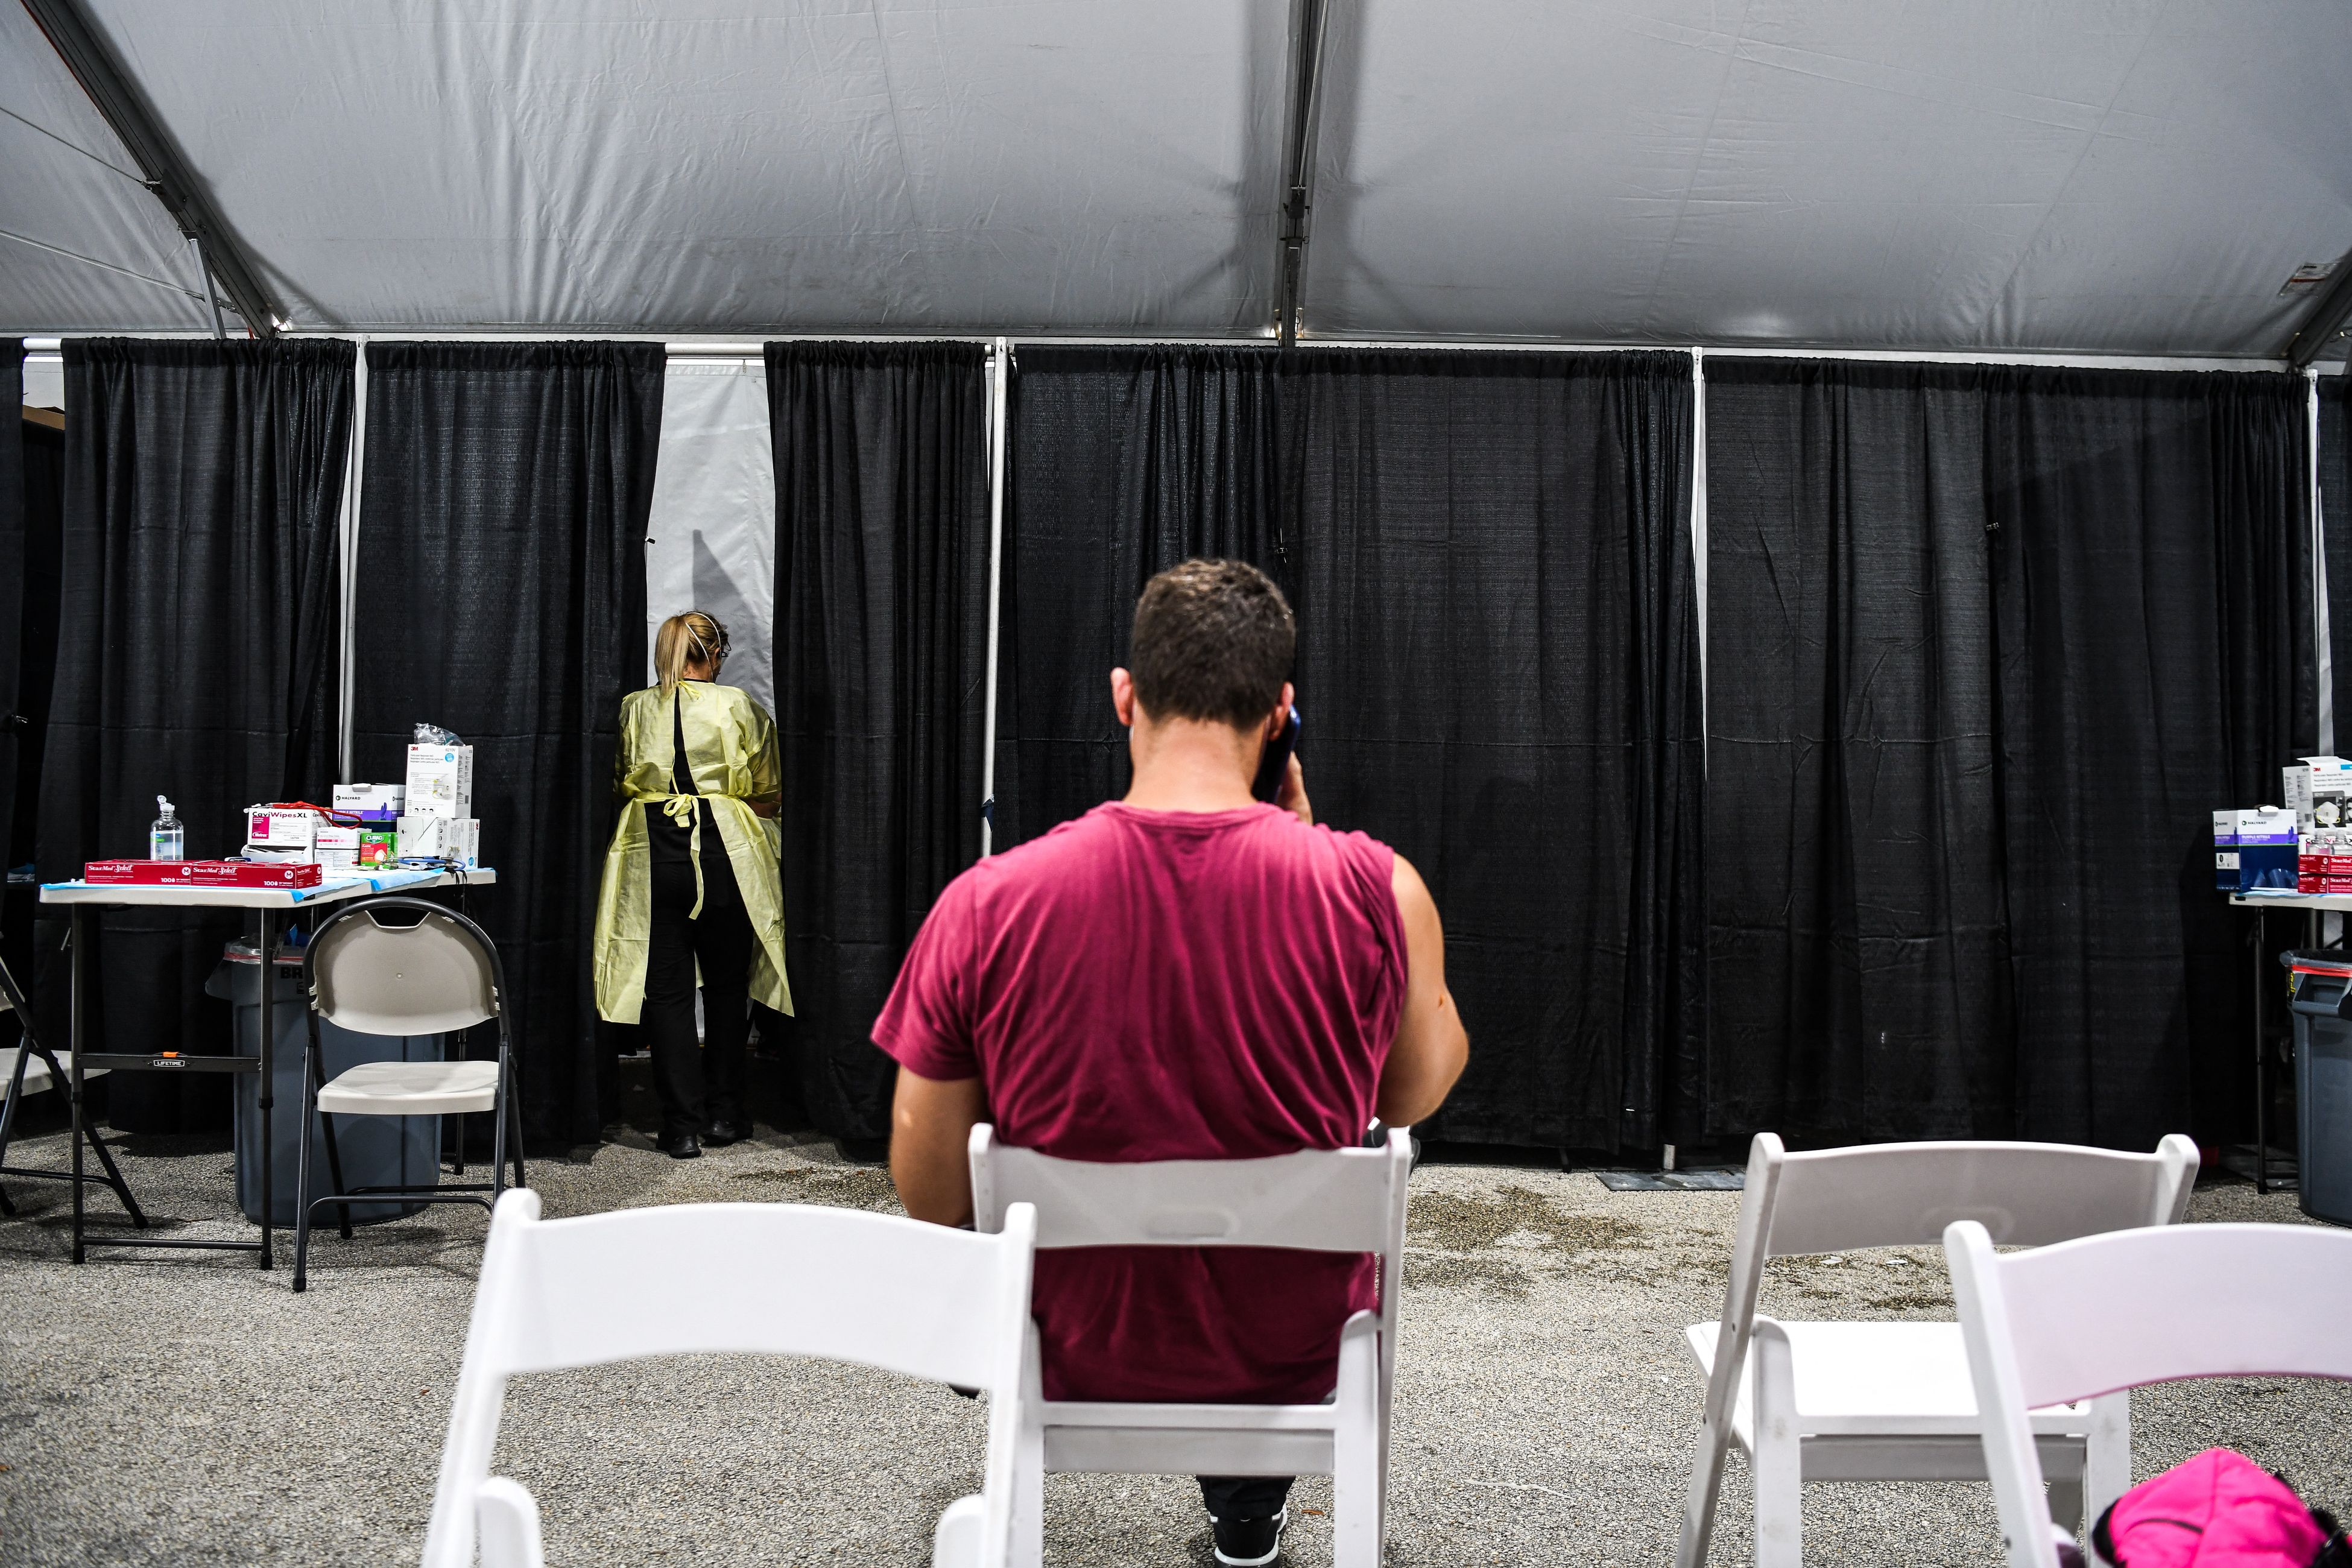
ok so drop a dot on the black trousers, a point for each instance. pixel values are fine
(699, 1084)
(1244, 1496)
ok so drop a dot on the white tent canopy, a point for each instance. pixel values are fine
(2100, 176)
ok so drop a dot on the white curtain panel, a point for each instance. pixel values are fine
(711, 543)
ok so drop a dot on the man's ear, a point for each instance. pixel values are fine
(1282, 711)
(1122, 697)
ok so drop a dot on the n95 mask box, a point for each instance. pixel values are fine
(2319, 792)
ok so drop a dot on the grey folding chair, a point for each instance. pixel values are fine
(436, 975)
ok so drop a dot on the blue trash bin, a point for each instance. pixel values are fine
(377, 1151)
(2321, 985)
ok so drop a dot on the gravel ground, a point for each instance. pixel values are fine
(191, 1410)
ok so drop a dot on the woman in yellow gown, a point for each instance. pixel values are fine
(692, 882)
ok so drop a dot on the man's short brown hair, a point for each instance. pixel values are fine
(1213, 639)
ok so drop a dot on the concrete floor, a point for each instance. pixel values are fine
(191, 1410)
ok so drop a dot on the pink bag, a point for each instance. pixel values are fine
(2220, 1509)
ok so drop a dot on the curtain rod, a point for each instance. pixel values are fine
(713, 347)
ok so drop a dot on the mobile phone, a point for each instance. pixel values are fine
(1276, 763)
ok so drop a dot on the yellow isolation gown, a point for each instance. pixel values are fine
(731, 747)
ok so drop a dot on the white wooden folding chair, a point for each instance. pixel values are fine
(1338, 1200)
(1890, 1401)
(2088, 1318)
(732, 1279)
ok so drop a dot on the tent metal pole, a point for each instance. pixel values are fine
(2322, 635)
(354, 468)
(168, 175)
(212, 295)
(1309, 23)
(1000, 361)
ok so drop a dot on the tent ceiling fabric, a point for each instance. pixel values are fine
(2121, 177)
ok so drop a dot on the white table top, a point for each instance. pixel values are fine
(328, 891)
(2293, 900)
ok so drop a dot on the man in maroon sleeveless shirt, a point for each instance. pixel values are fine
(1187, 974)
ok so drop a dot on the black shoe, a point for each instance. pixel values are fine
(719, 1134)
(1247, 1543)
(685, 1146)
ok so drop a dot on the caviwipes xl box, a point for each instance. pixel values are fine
(2319, 792)
(440, 781)
(282, 829)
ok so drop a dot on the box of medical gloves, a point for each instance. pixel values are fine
(2268, 850)
(440, 781)
(2319, 792)
(2325, 863)
(2225, 850)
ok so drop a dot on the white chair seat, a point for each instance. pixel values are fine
(1880, 1380)
(411, 1089)
(36, 1071)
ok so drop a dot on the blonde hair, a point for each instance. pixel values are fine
(686, 639)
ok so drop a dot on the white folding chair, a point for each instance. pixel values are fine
(732, 1279)
(438, 975)
(1890, 1402)
(1338, 1200)
(2114, 1312)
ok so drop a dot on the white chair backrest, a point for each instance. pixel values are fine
(1317, 1200)
(430, 978)
(2106, 1312)
(922, 1300)
(2026, 1195)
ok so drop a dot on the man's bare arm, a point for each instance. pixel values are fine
(1430, 1048)
(930, 1136)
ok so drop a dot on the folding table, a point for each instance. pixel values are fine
(271, 906)
(2313, 905)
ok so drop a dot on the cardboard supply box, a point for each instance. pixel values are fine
(440, 781)
(2269, 848)
(457, 839)
(2325, 862)
(139, 873)
(2225, 850)
(336, 863)
(279, 827)
(371, 799)
(2319, 792)
(245, 874)
(336, 839)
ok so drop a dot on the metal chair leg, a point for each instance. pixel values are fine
(335, 1172)
(302, 1159)
(514, 1146)
(16, 1093)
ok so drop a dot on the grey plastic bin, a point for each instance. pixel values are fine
(2319, 982)
(377, 1151)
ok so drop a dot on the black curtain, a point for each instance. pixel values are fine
(1121, 462)
(198, 616)
(2335, 543)
(502, 595)
(2152, 587)
(12, 579)
(37, 662)
(881, 461)
(1986, 646)
(1498, 675)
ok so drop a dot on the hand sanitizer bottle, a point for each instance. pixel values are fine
(166, 840)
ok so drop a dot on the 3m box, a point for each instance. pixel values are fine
(2225, 850)
(440, 781)
(281, 828)
(2319, 792)
(457, 839)
(2268, 850)
(371, 798)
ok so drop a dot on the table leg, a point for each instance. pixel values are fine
(267, 935)
(78, 1036)
(2262, 1062)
